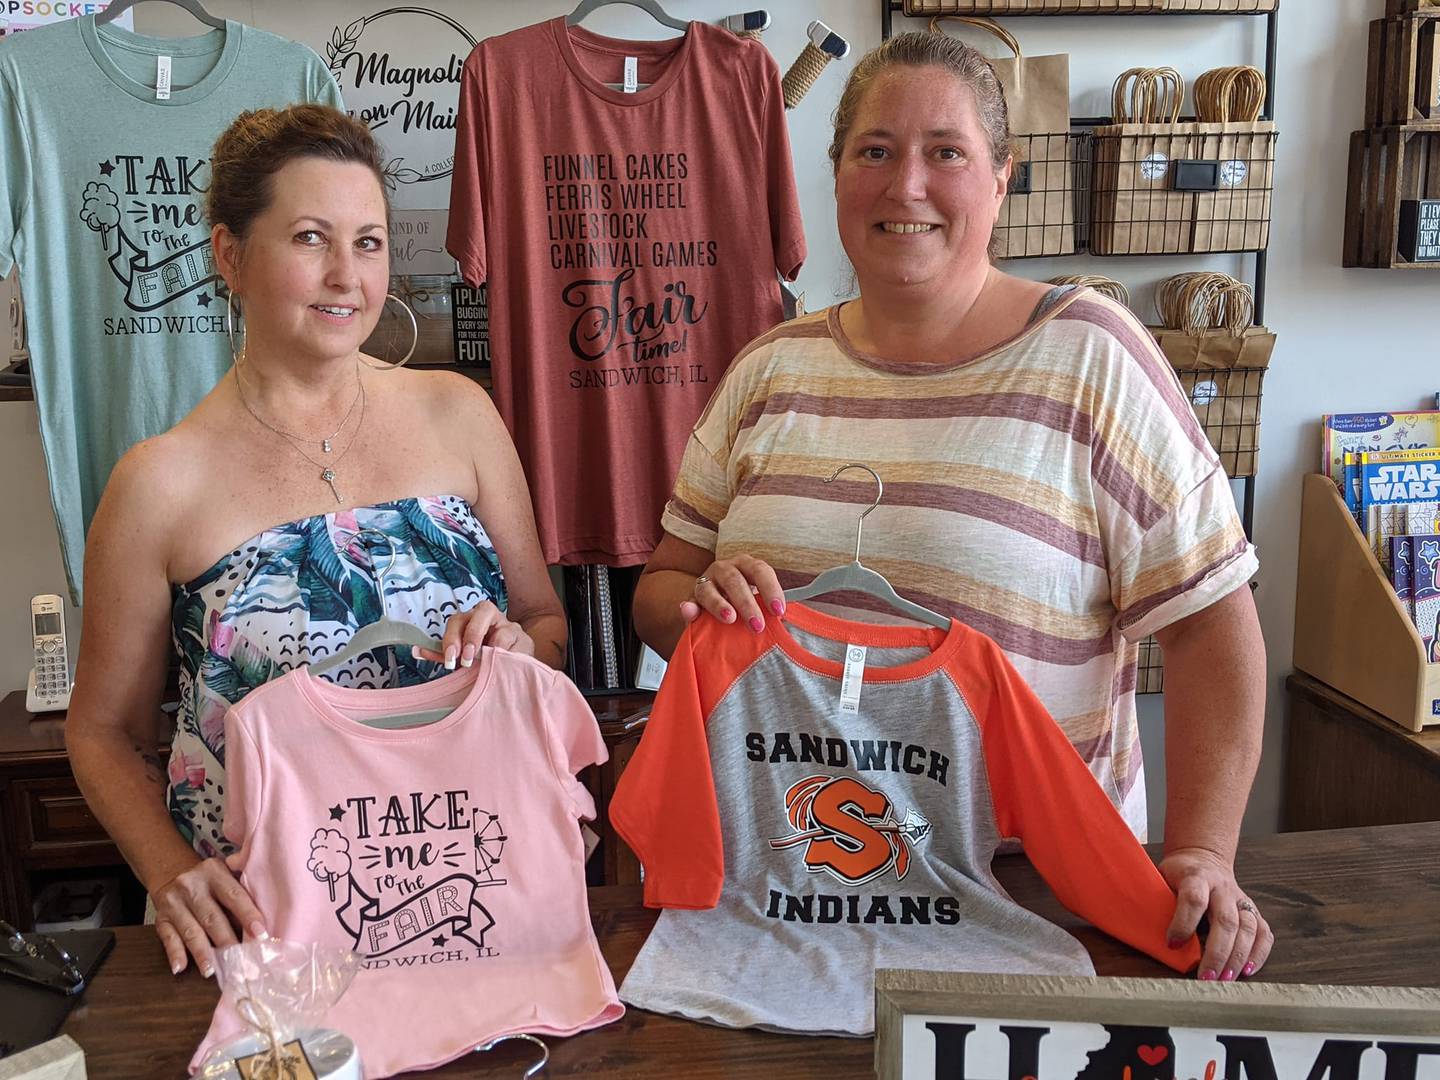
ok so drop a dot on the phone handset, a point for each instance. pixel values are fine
(49, 687)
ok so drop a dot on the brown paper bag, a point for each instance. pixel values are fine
(1135, 209)
(1222, 374)
(1038, 217)
(1236, 216)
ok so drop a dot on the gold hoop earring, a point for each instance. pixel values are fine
(415, 329)
(230, 321)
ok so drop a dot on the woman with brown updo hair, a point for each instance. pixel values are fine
(1046, 481)
(254, 534)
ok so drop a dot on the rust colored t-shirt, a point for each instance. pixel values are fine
(631, 243)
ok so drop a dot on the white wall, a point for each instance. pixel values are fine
(1348, 339)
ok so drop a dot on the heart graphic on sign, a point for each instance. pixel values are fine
(1153, 1055)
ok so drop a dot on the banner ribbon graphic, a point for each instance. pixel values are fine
(152, 285)
(449, 904)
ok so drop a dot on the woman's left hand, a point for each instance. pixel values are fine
(484, 624)
(1240, 939)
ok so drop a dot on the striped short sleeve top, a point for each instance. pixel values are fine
(1055, 493)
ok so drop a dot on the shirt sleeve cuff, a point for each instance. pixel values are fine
(1215, 586)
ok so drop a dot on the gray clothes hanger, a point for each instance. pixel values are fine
(521, 1036)
(384, 632)
(194, 7)
(860, 578)
(650, 7)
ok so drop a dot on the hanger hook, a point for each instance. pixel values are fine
(533, 1069)
(382, 574)
(879, 494)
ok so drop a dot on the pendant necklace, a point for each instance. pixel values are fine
(299, 442)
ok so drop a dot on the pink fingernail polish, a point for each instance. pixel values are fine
(1248, 970)
(777, 606)
(756, 623)
(1208, 975)
(726, 615)
(1228, 975)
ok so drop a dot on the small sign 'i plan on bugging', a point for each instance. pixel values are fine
(1420, 230)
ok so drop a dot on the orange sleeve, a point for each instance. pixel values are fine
(664, 805)
(1045, 795)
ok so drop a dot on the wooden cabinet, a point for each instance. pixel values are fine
(45, 824)
(1347, 766)
(622, 720)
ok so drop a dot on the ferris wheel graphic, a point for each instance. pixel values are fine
(489, 844)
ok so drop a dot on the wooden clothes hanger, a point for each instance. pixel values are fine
(385, 632)
(857, 577)
(194, 7)
(650, 7)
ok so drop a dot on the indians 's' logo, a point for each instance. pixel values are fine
(849, 829)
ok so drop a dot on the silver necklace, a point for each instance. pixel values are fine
(327, 469)
(326, 443)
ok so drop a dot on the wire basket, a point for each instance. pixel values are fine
(1048, 183)
(1032, 7)
(1182, 188)
(1149, 668)
(1082, 7)
(1236, 6)
(1227, 404)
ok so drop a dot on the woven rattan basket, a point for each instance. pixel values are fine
(1082, 7)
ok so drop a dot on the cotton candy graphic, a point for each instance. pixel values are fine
(101, 209)
(329, 857)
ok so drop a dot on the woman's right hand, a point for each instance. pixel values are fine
(194, 912)
(742, 587)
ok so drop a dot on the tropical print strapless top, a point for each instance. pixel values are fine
(296, 593)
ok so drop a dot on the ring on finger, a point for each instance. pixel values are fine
(701, 580)
(1246, 905)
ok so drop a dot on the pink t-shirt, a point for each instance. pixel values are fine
(448, 854)
(631, 244)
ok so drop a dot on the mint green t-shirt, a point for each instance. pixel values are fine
(102, 206)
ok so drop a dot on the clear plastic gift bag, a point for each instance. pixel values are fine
(282, 990)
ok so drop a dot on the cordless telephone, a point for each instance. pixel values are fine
(49, 686)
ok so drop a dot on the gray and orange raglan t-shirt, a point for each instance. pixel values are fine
(799, 840)
(1055, 493)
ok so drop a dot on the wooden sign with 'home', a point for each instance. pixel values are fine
(952, 1026)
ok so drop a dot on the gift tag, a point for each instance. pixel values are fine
(299, 1067)
(852, 679)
